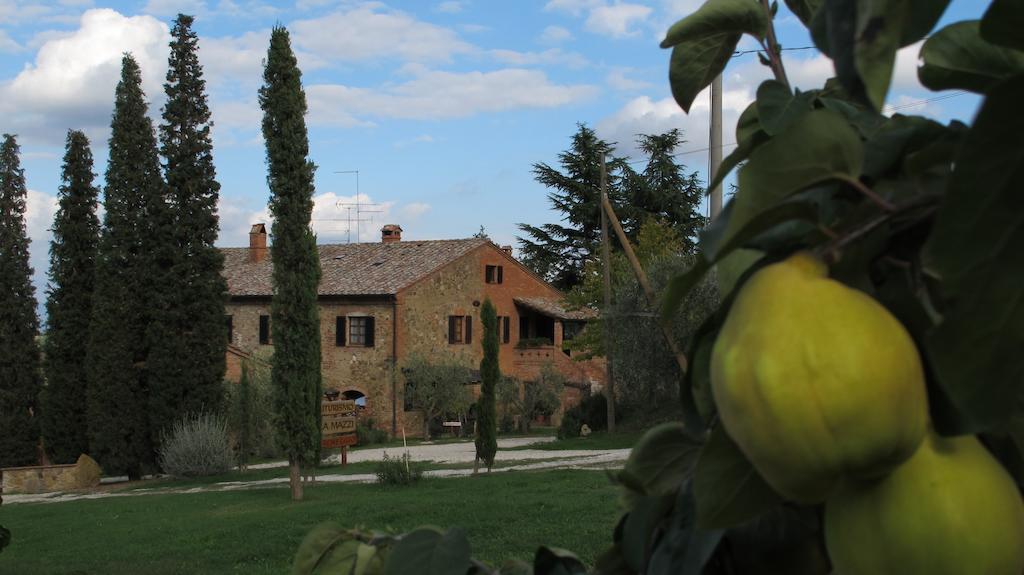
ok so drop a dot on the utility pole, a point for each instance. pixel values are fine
(606, 257)
(715, 147)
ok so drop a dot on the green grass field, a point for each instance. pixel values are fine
(506, 515)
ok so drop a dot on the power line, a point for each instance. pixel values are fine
(743, 52)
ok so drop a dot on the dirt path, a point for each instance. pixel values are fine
(444, 453)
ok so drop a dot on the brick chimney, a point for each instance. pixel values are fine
(257, 243)
(507, 250)
(391, 233)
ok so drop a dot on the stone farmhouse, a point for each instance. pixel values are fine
(381, 303)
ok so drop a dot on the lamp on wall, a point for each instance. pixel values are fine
(476, 303)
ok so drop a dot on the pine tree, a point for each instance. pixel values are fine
(490, 374)
(295, 323)
(665, 191)
(76, 231)
(186, 337)
(20, 377)
(132, 263)
(556, 252)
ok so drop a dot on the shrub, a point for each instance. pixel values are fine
(369, 434)
(398, 470)
(570, 426)
(253, 409)
(197, 444)
(592, 410)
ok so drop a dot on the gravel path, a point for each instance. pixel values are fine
(442, 453)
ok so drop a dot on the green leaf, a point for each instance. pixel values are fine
(663, 458)
(718, 17)
(778, 108)
(923, 16)
(1003, 22)
(368, 560)
(727, 487)
(685, 548)
(326, 548)
(426, 551)
(886, 150)
(975, 252)
(819, 146)
(555, 561)
(804, 9)
(638, 530)
(730, 268)
(749, 123)
(783, 541)
(877, 38)
(515, 567)
(703, 42)
(695, 63)
(867, 122)
(957, 57)
(741, 153)
(5, 537)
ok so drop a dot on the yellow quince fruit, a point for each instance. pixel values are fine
(950, 510)
(816, 381)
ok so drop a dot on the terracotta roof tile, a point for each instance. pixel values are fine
(353, 269)
(555, 308)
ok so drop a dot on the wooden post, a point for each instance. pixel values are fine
(606, 258)
(715, 152)
(344, 455)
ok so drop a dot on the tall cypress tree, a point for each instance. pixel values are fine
(294, 316)
(20, 377)
(490, 374)
(76, 231)
(131, 270)
(186, 338)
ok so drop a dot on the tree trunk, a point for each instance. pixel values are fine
(295, 479)
(426, 427)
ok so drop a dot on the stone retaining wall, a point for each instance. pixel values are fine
(46, 478)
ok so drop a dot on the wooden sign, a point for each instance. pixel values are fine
(338, 407)
(339, 441)
(331, 426)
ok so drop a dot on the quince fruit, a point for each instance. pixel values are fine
(816, 381)
(950, 510)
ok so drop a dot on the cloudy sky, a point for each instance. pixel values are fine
(441, 106)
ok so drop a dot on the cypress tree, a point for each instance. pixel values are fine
(490, 374)
(20, 377)
(187, 342)
(294, 316)
(131, 268)
(76, 231)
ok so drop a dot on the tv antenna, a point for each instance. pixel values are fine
(358, 207)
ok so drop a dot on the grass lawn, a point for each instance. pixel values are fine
(506, 515)
(596, 440)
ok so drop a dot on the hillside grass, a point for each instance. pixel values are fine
(506, 515)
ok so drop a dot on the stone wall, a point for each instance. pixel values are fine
(83, 474)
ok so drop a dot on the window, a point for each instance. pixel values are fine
(493, 274)
(460, 329)
(360, 331)
(503, 328)
(264, 330)
(355, 331)
(230, 327)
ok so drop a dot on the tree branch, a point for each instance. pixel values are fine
(773, 48)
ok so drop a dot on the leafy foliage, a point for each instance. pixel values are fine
(5, 537)
(486, 441)
(131, 261)
(187, 320)
(196, 445)
(295, 322)
(252, 406)
(20, 378)
(436, 388)
(398, 471)
(525, 401)
(76, 232)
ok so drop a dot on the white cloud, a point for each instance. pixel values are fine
(414, 210)
(373, 32)
(17, 11)
(72, 81)
(474, 28)
(617, 78)
(555, 35)
(552, 56)
(8, 44)
(435, 94)
(40, 208)
(574, 7)
(450, 7)
(677, 9)
(233, 59)
(617, 20)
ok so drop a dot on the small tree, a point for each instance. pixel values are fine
(295, 318)
(527, 400)
(436, 389)
(76, 232)
(245, 421)
(20, 379)
(490, 374)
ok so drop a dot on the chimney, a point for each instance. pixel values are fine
(257, 243)
(391, 233)
(507, 250)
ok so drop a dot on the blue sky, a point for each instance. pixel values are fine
(442, 106)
